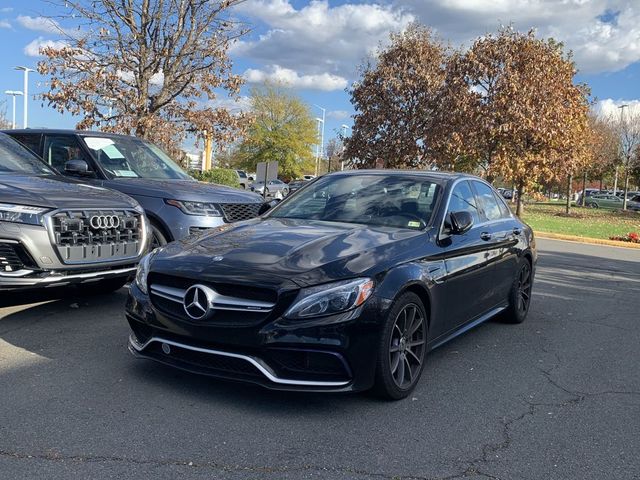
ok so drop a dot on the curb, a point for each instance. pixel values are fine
(592, 241)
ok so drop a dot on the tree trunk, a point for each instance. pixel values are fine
(519, 200)
(584, 189)
(626, 189)
(569, 182)
(601, 180)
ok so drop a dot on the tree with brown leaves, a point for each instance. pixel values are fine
(151, 67)
(396, 102)
(513, 109)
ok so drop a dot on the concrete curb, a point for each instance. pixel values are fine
(593, 241)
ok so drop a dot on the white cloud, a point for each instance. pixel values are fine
(338, 114)
(6, 9)
(611, 108)
(33, 48)
(318, 38)
(290, 78)
(5, 24)
(234, 105)
(39, 24)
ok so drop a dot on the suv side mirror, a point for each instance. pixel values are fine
(268, 206)
(77, 167)
(461, 222)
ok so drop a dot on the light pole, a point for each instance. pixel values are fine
(344, 135)
(615, 180)
(26, 70)
(321, 155)
(14, 94)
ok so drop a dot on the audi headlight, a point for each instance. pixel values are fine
(330, 298)
(196, 208)
(21, 214)
(143, 271)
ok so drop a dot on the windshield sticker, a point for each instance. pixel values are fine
(125, 173)
(414, 224)
(97, 143)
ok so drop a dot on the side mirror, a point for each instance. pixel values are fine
(77, 167)
(268, 206)
(461, 222)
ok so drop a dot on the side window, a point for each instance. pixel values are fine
(32, 142)
(504, 209)
(59, 150)
(488, 201)
(462, 199)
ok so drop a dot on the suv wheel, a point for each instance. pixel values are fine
(402, 348)
(157, 237)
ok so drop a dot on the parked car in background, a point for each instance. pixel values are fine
(308, 177)
(603, 201)
(344, 286)
(630, 194)
(634, 203)
(176, 204)
(274, 188)
(296, 185)
(55, 231)
(243, 179)
(589, 192)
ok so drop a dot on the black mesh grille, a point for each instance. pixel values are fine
(78, 239)
(10, 261)
(235, 212)
(308, 363)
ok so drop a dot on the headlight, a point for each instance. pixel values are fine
(21, 214)
(196, 208)
(330, 298)
(143, 271)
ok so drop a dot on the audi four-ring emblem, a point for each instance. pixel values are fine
(104, 221)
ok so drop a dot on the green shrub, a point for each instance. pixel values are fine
(221, 176)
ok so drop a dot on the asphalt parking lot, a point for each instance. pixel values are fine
(555, 398)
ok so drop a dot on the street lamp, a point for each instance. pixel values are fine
(14, 94)
(615, 178)
(344, 135)
(320, 121)
(26, 71)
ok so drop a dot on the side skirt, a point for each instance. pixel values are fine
(468, 326)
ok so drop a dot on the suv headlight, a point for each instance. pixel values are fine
(143, 271)
(21, 214)
(196, 208)
(330, 298)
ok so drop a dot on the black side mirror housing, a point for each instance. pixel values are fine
(461, 222)
(268, 206)
(77, 167)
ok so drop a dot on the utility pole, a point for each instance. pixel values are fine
(626, 167)
(344, 135)
(26, 70)
(14, 94)
(321, 150)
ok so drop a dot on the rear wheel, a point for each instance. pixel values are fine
(520, 294)
(402, 348)
(592, 205)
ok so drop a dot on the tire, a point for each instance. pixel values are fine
(592, 205)
(103, 287)
(157, 237)
(520, 294)
(401, 353)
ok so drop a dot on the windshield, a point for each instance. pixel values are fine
(15, 159)
(130, 157)
(394, 201)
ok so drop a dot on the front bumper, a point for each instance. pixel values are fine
(60, 279)
(314, 356)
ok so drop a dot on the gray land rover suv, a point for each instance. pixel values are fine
(176, 204)
(55, 231)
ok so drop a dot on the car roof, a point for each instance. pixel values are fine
(62, 131)
(430, 174)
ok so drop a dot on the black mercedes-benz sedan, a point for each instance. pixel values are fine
(344, 286)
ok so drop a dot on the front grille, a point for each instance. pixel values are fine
(81, 237)
(308, 364)
(235, 212)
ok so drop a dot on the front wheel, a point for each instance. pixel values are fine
(592, 205)
(402, 348)
(157, 238)
(520, 294)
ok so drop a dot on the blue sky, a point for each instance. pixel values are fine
(316, 46)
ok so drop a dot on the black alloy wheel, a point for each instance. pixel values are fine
(520, 295)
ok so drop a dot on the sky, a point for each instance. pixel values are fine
(315, 47)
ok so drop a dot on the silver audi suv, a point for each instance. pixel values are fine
(55, 231)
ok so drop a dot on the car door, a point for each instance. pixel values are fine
(467, 261)
(505, 233)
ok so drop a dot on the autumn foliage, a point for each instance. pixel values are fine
(507, 107)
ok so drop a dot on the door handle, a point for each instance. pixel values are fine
(485, 236)
(517, 231)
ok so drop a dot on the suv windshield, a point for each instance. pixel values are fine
(394, 201)
(129, 157)
(15, 159)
